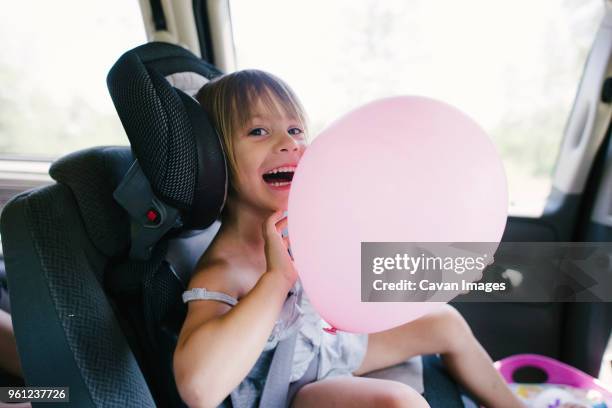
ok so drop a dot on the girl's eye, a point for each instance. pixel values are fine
(258, 132)
(295, 131)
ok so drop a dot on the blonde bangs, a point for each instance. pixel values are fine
(276, 97)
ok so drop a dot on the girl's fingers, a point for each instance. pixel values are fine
(281, 225)
(270, 224)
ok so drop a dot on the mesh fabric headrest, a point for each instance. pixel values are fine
(177, 148)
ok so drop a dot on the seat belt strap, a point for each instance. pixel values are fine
(276, 386)
(309, 376)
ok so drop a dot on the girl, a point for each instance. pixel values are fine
(247, 272)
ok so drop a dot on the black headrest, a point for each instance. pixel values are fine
(92, 175)
(177, 149)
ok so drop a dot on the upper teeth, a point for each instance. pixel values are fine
(282, 169)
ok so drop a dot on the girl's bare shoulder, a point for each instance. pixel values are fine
(225, 267)
(224, 271)
(216, 275)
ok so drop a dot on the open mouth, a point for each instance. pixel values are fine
(280, 176)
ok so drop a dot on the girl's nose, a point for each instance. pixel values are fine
(293, 148)
(288, 144)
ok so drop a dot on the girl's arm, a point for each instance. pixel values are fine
(217, 348)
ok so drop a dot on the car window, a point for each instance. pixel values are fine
(512, 66)
(53, 66)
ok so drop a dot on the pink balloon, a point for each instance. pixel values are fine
(401, 169)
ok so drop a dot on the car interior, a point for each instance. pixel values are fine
(95, 281)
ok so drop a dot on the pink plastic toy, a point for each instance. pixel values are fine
(556, 373)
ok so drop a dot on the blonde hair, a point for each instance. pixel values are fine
(229, 101)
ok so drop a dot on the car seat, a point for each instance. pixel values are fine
(97, 262)
(95, 291)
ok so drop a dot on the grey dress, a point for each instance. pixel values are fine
(339, 354)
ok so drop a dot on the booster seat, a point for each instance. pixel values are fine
(97, 262)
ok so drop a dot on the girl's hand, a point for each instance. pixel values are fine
(278, 260)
